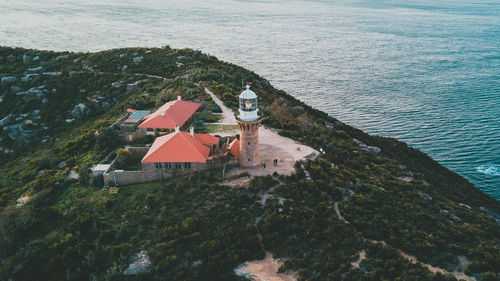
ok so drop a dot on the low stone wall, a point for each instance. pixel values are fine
(117, 178)
(149, 173)
(137, 152)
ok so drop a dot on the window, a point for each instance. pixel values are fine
(248, 104)
(248, 143)
(157, 165)
(168, 165)
(178, 165)
(187, 165)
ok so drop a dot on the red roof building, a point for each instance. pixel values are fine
(234, 147)
(181, 147)
(207, 139)
(171, 114)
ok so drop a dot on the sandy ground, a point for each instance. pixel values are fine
(264, 270)
(22, 200)
(287, 151)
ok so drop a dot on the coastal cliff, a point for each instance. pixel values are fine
(365, 194)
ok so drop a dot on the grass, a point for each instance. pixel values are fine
(220, 128)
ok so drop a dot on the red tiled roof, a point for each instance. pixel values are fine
(174, 113)
(234, 147)
(129, 121)
(131, 110)
(207, 138)
(177, 147)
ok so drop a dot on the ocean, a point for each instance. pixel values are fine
(425, 72)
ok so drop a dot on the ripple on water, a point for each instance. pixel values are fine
(489, 169)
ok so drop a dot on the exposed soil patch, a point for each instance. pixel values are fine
(265, 270)
(239, 182)
(362, 256)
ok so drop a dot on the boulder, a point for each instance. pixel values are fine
(51, 74)
(14, 89)
(37, 58)
(61, 57)
(133, 86)
(80, 111)
(33, 70)
(117, 84)
(106, 104)
(138, 59)
(141, 264)
(35, 93)
(8, 79)
(10, 118)
(26, 78)
(14, 132)
(124, 68)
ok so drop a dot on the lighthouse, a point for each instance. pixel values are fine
(249, 122)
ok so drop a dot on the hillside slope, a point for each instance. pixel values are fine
(198, 227)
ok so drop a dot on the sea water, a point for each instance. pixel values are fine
(425, 72)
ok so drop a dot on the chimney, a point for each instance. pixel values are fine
(178, 97)
(176, 128)
(191, 131)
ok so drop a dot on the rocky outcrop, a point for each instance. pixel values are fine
(8, 79)
(367, 148)
(35, 93)
(80, 110)
(33, 70)
(10, 118)
(141, 264)
(117, 84)
(138, 59)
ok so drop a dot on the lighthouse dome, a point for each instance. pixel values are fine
(248, 94)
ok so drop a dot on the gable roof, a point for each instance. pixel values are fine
(207, 138)
(177, 147)
(172, 113)
(234, 147)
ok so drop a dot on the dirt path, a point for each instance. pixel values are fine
(410, 258)
(267, 268)
(227, 114)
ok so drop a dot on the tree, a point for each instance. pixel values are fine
(123, 157)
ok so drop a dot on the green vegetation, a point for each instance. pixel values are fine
(194, 227)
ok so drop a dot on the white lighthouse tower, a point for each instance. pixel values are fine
(249, 122)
